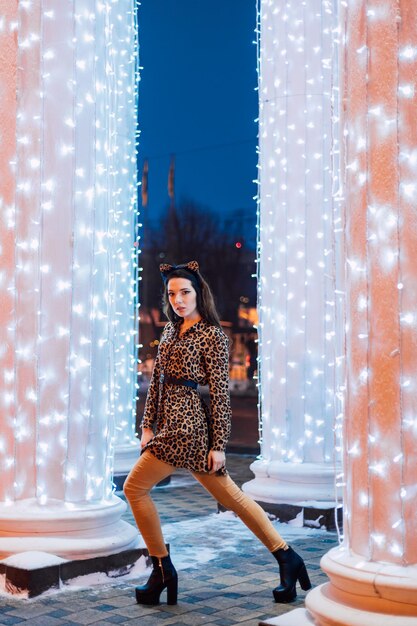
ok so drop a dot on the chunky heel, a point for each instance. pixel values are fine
(304, 579)
(163, 576)
(291, 569)
(172, 591)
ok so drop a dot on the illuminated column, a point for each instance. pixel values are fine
(373, 574)
(298, 220)
(68, 204)
(125, 278)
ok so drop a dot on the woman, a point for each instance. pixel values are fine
(179, 431)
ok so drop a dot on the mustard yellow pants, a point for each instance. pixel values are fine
(149, 471)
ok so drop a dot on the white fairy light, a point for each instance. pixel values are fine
(378, 538)
(396, 549)
(363, 498)
(408, 53)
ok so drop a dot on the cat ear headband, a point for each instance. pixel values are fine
(166, 269)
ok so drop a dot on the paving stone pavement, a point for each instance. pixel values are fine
(226, 575)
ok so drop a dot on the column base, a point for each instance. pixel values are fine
(125, 456)
(362, 593)
(300, 484)
(70, 531)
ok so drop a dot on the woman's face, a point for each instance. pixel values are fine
(183, 297)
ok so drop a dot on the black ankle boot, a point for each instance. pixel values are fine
(291, 569)
(163, 575)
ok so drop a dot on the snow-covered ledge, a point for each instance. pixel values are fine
(30, 574)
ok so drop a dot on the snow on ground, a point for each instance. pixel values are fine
(193, 542)
(219, 535)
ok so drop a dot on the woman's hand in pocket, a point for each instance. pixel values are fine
(147, 435)
(216, 460)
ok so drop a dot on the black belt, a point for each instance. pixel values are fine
(170, 380)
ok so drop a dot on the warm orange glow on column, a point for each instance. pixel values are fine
(407, 137)
(8, 52)
(377, 383)
(356, 107)
(373, 574)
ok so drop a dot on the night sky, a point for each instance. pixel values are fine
(197, 100)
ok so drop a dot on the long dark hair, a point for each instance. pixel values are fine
(205, 301)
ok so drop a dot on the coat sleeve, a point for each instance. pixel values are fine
(150, 413)
(216, 358)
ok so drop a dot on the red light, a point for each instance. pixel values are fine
(238, 244)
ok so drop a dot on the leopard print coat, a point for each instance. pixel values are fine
(185, 429)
